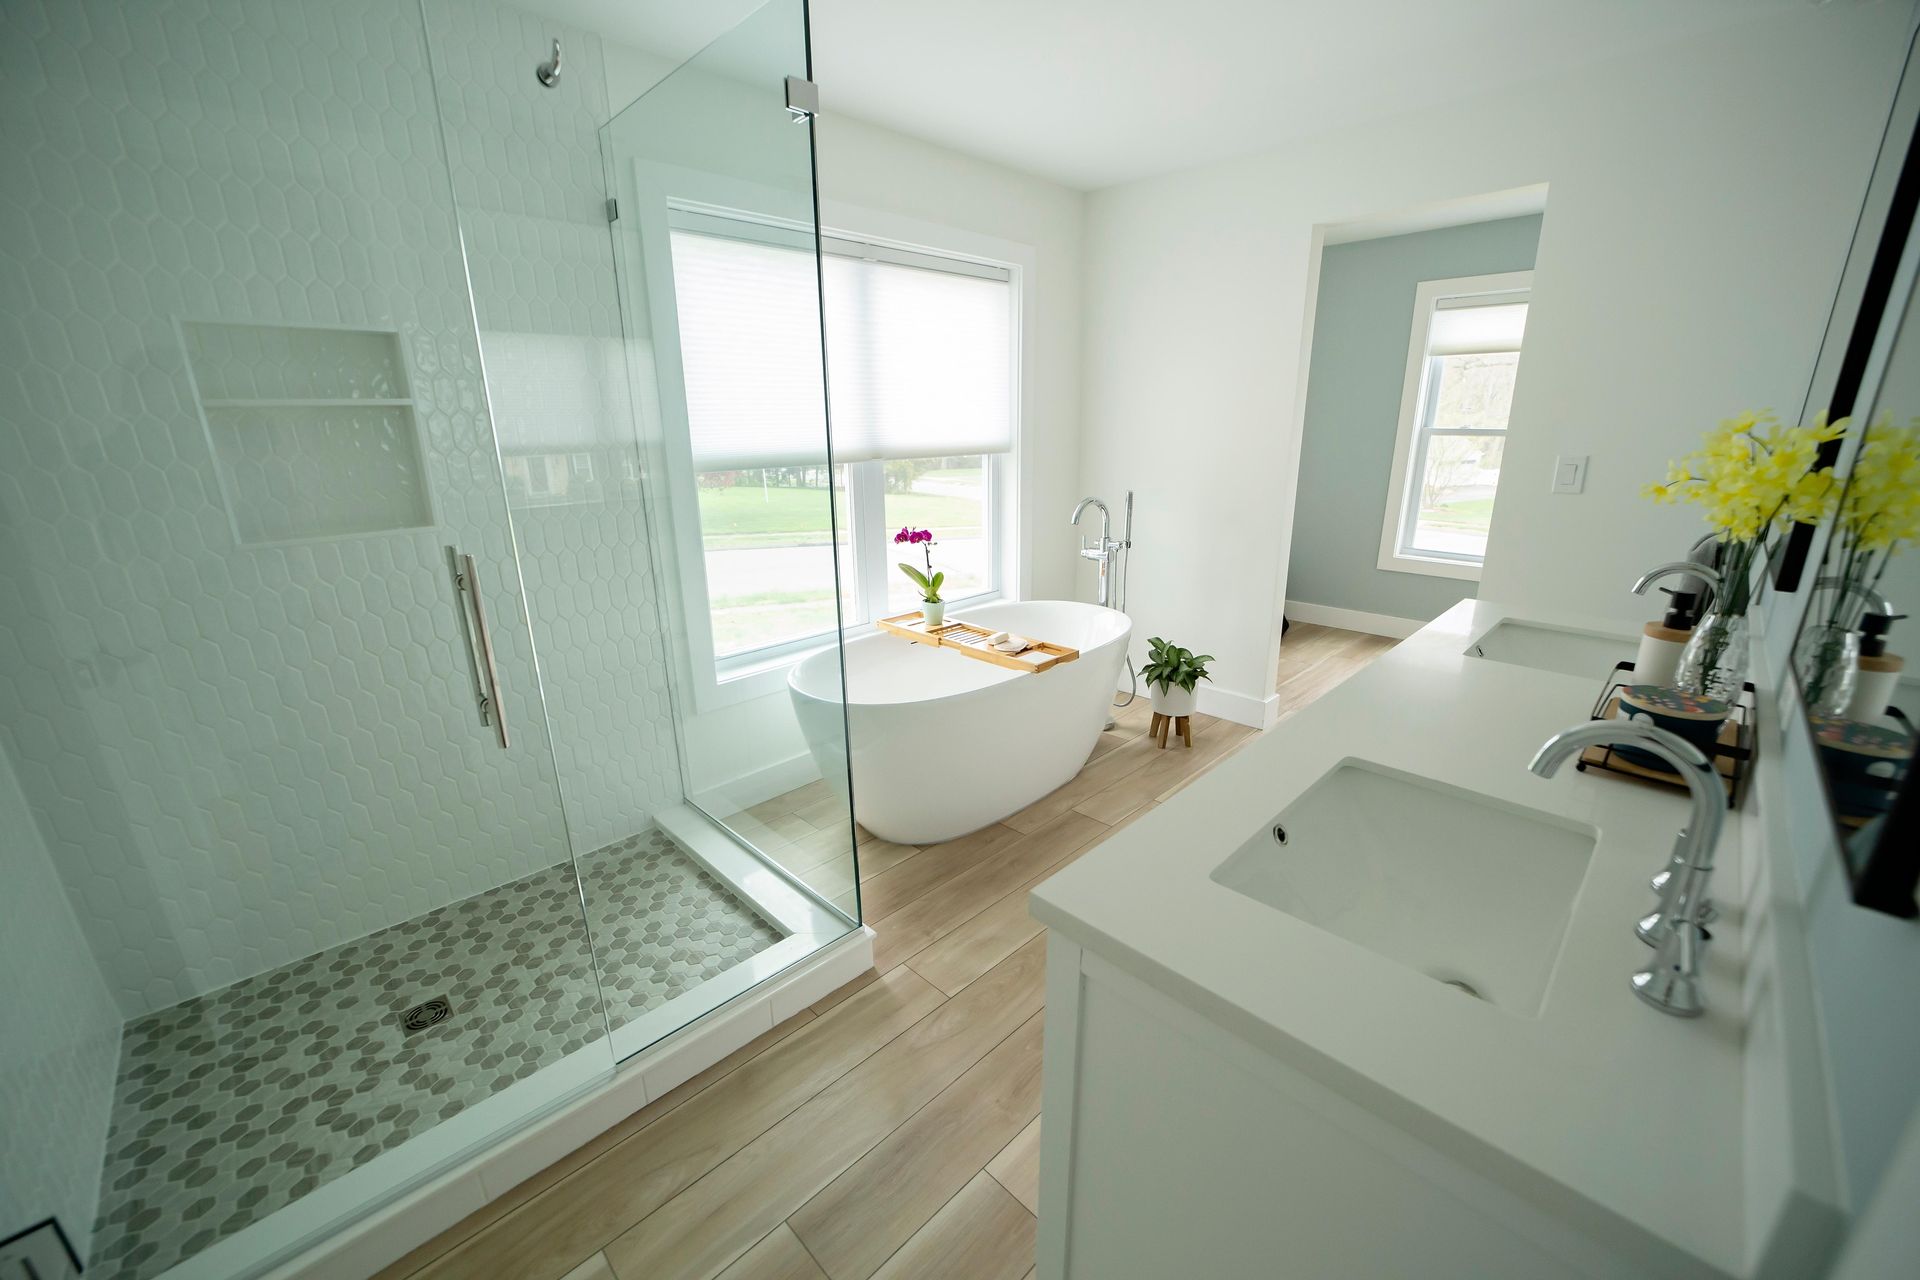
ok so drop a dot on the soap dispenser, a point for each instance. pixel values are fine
(1662, 642)
(1879, 670)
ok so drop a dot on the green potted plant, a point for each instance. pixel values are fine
(1171, 676)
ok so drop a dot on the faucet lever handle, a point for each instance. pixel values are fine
(1670, 982)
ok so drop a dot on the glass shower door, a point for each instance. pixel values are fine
(716, 241)
(682, 919)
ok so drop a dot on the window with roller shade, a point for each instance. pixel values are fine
(920, 366)
(1462, 368)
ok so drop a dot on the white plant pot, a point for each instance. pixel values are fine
(1171, 701)
(935, 614)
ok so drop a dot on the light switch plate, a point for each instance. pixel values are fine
(1570, 473)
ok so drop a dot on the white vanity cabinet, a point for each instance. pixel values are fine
(1172, 1148)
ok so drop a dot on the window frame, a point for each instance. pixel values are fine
(755, 672)
(1413, 433)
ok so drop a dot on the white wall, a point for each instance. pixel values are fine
(1701, 203)
(62, 1039)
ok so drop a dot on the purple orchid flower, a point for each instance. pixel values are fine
(929, 581)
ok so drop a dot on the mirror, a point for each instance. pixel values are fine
(1861, 595)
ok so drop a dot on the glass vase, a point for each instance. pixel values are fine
(1828, 660)
(1714, 663)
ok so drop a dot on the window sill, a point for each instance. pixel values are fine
(1431, 566)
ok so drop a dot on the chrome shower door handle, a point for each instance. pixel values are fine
(473, 622)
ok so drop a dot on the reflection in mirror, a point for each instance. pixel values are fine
(1855, 682)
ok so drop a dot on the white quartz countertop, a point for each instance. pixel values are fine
(1600, 1108)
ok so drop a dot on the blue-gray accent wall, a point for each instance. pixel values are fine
(1362, 322)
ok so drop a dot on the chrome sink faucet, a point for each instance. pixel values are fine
(1677, 927)
(1102, 552)
(1872, 600)
(1691, 568)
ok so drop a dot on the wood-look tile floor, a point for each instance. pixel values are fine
(893, 1129)
(1313, 659)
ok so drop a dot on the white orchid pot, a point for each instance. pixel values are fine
(935, 614)
(1171, 700)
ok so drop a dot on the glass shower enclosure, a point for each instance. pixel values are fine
(365, 791)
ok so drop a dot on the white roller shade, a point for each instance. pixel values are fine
(920, 361)
(749, 318)
(1461, 328)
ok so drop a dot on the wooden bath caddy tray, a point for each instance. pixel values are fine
(964, 637)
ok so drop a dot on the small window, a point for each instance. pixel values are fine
(1462, 366)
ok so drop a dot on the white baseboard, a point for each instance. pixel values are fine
(1223, 704)
(1374, 624)
(1241, 708)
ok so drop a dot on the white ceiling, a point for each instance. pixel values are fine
(1095, 92)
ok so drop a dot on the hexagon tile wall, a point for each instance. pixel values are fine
(240, 755)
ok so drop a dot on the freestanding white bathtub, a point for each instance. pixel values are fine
(944, 744)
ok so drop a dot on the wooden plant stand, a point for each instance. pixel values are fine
(1180, 725)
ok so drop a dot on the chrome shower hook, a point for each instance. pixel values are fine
(548, 73)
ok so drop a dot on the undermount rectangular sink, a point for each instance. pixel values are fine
(1546, 648)
(1467, 889)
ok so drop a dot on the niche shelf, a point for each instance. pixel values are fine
(312, 430)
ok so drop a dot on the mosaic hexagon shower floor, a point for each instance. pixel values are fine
(233, 1105)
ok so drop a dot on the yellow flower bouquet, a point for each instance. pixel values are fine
(1753, 476)
(1880, 511)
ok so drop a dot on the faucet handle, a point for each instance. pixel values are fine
(1670, 982)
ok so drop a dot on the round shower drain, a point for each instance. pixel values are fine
(426, 1014)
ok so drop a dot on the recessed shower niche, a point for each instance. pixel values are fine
(312, 429)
